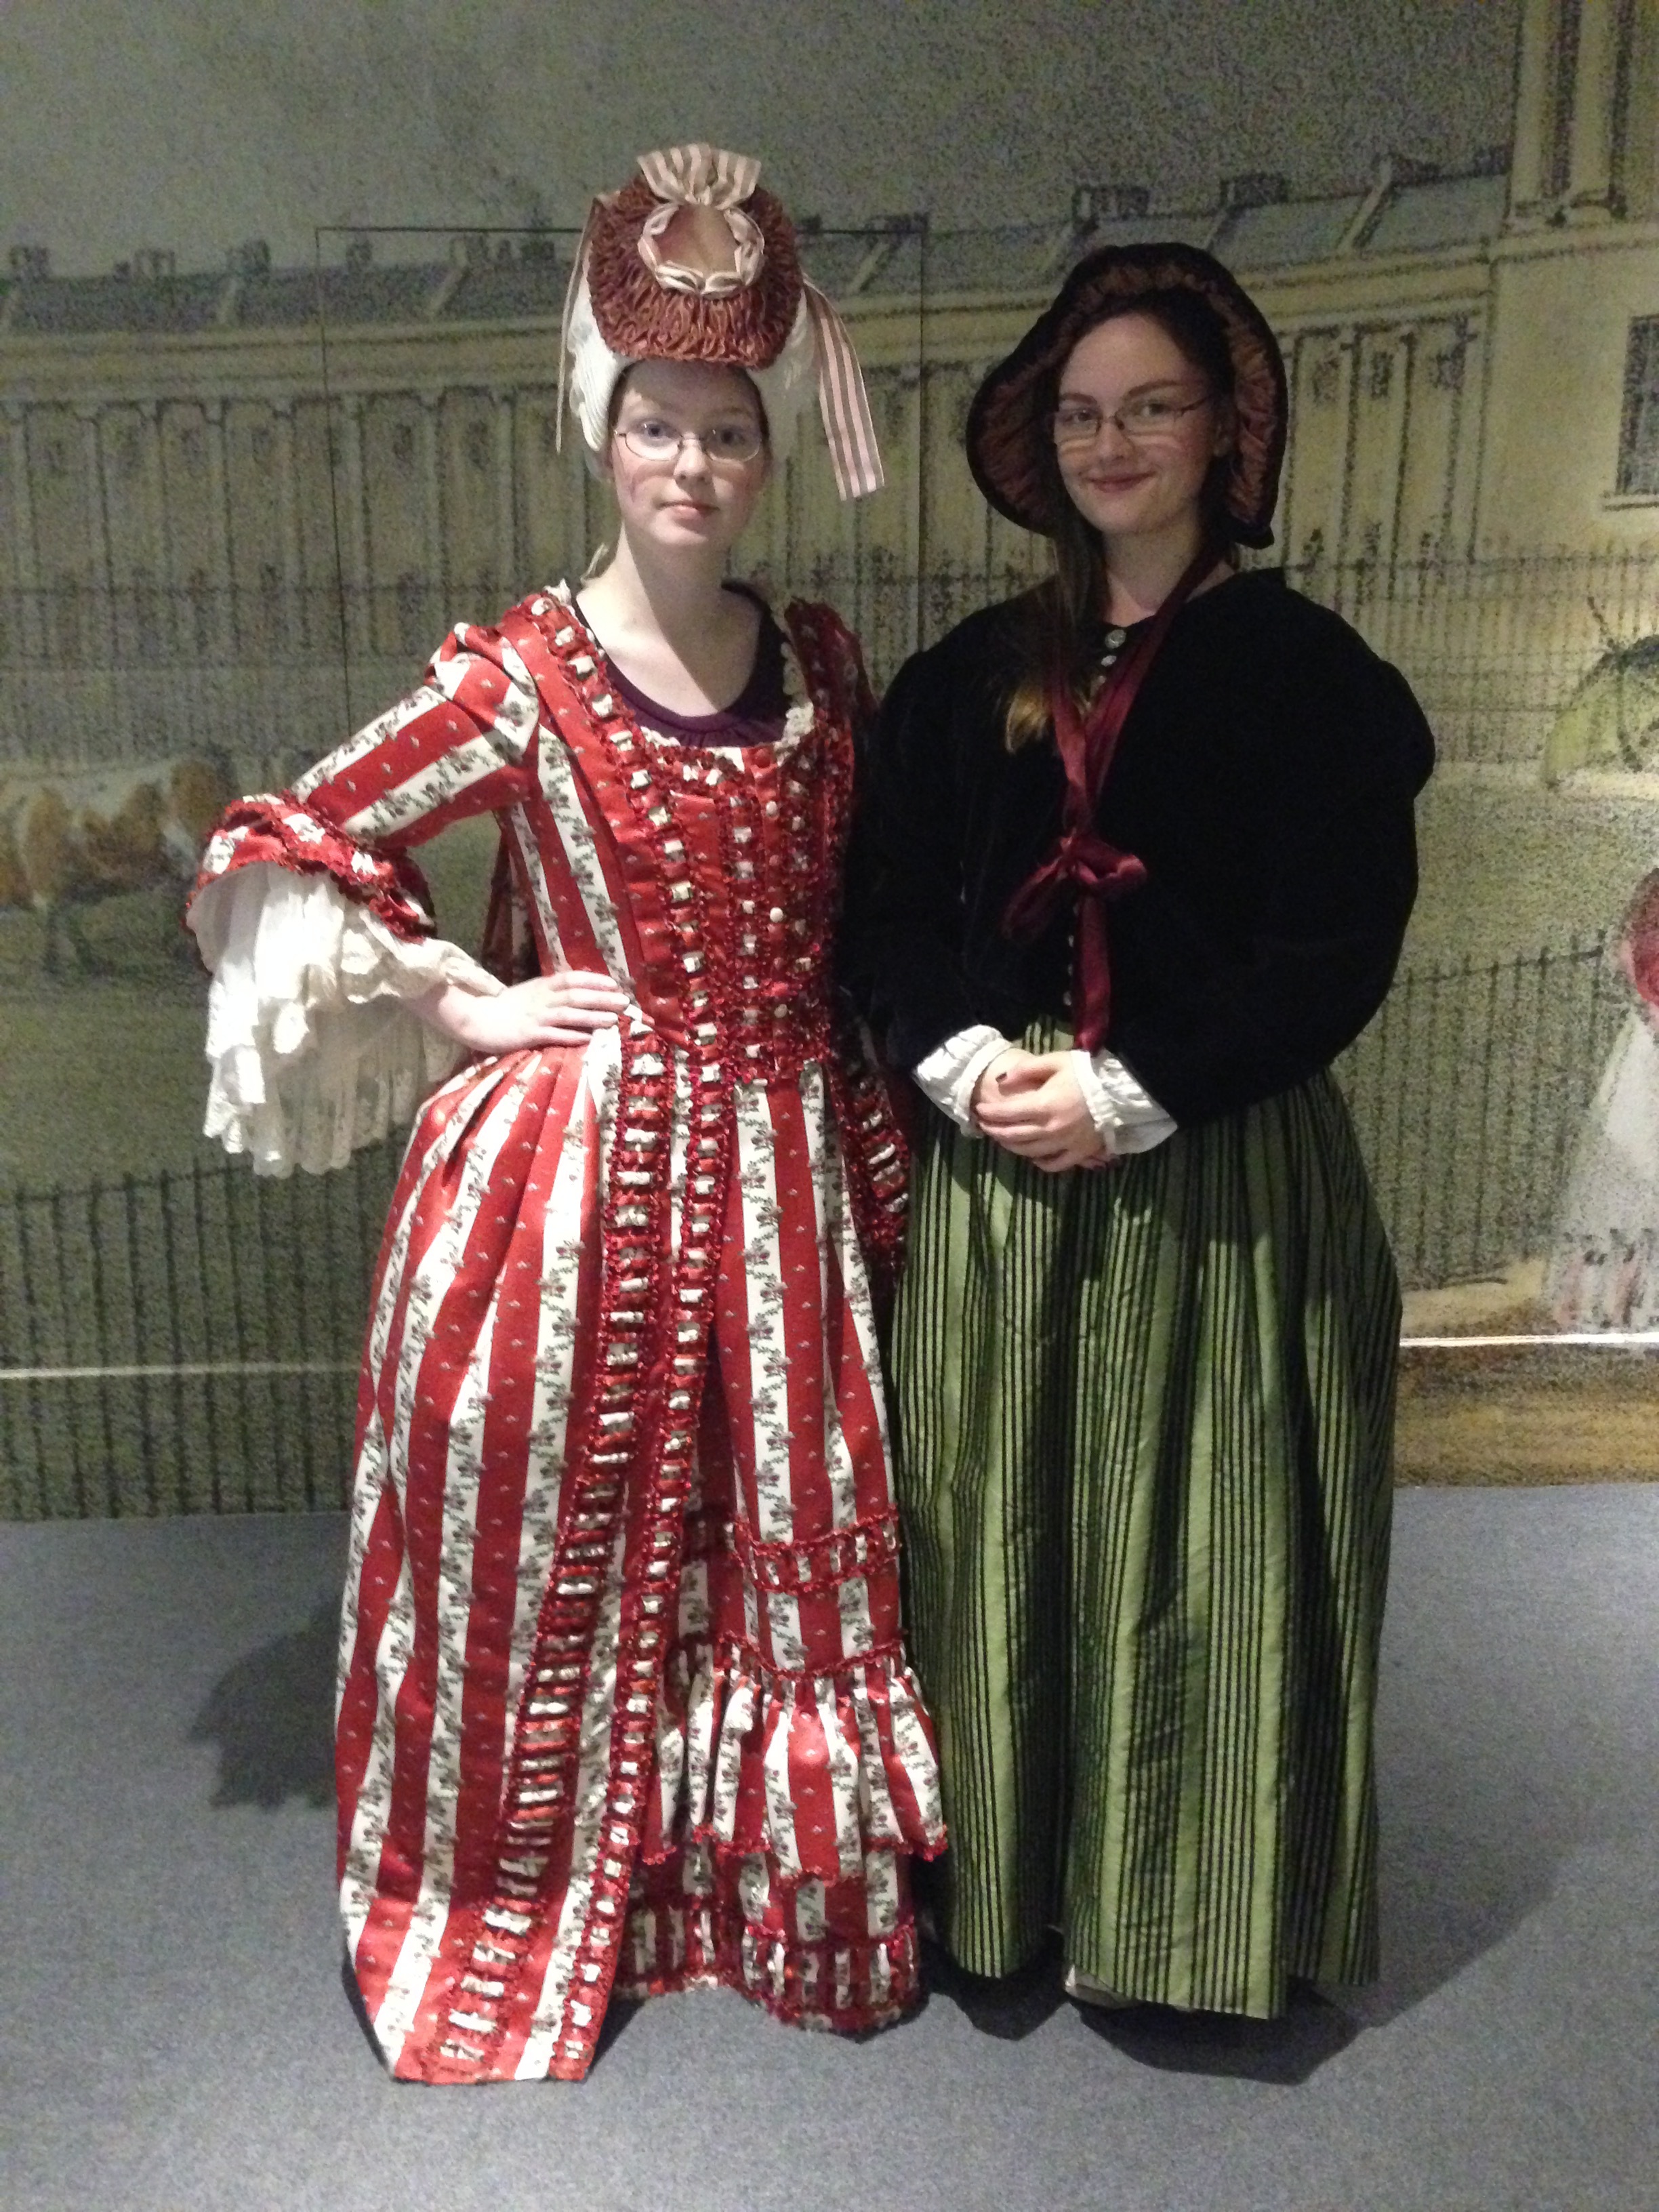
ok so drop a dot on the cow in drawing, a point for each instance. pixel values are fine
(69, 843)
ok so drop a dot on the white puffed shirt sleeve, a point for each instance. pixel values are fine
(947, 1076)
(1126, 1117)
(313, 1049)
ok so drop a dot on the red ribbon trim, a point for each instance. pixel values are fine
(1084, 866)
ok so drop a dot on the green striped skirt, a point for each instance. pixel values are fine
(1144, 1424)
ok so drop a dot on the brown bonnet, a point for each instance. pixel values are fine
(1009, 437)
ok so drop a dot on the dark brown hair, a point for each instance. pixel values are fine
(1056, 620)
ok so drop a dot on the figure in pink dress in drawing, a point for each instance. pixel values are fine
(1604, 1267)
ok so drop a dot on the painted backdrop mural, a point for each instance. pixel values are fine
(243, 491)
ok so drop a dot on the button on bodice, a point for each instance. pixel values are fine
(743, 970)
(729, 857)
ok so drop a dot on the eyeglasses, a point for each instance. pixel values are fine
(1143, 421)
(728, 444)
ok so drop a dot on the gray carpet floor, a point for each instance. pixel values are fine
(176, 2034)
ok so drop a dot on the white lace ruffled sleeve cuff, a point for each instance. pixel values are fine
(1127, 1118)
(950, 1072)
(313, 1050)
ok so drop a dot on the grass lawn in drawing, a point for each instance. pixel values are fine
(102, 1074)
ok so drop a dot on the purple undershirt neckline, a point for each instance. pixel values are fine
(754, 717)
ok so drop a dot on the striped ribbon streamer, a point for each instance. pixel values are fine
(700, 175)
(578, 278)
(844, 403)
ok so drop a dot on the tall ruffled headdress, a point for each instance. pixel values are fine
(691, 261)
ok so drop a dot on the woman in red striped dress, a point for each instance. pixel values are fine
(623, 1703)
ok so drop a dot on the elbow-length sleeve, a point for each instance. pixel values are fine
(317, 927)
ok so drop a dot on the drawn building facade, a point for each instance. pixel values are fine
(261, 476)
(237, 509)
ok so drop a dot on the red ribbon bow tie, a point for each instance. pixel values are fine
(1084, 867)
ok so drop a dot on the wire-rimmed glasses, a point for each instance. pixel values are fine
(1142, 421)
(727, 445)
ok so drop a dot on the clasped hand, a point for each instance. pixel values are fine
(1030, 1103)
(565, 1008)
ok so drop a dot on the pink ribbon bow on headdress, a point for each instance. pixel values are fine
(702, 177)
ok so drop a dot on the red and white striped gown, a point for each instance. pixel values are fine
(623, 1703)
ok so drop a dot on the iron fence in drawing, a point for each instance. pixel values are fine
(1469, 1091)
(1494, 645)
(188, 1343)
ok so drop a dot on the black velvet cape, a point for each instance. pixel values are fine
(1265, 776)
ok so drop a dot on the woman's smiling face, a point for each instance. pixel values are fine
(1153, 483)
(688, 495)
